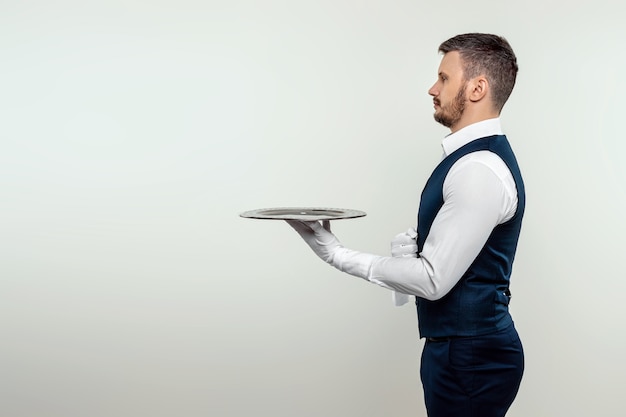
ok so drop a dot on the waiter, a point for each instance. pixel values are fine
(458, 262)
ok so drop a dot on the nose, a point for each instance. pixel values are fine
(433, 91)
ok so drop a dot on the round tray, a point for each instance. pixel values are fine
(303, 213)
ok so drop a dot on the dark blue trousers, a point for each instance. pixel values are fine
(472, 376)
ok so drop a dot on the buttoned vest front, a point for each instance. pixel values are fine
(478, 303)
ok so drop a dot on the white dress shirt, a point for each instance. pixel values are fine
(478, 194)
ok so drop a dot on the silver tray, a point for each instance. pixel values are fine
(302, 213)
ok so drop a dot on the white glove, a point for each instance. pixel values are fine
(330, 250)
(322, 241)
(403, 245)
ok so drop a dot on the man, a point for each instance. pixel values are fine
(458, 263)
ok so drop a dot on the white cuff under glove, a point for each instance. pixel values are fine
(403, 245)
(330, 250)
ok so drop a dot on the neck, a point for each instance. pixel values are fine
(473, 115)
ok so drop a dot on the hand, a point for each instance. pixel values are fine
(404, 245)
(330, 250)
(319, 238)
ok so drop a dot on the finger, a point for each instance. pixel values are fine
(314, 225)
(299, 226)
(399, 237)
(326, 225)
(402, 238)
(410, 235)
(405, 250)
(405, 246)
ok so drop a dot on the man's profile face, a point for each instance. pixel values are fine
(449, 91)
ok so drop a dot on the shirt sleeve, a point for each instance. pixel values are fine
(475, 201)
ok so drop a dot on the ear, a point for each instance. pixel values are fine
(479, 87)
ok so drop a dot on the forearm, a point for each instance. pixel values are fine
(413, 276)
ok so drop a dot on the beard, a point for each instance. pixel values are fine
(452, 113)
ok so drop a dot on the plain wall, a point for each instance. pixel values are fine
(133, 133)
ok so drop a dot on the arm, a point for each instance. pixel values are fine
(474, 197)
(475, 201)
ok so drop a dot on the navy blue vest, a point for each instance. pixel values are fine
(478, 303)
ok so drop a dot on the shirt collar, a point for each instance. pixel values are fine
(485, 128)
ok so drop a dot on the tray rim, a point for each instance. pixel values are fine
(348, 213)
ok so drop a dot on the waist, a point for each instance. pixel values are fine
(509, 327)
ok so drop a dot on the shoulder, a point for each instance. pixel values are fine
(482, 175)
(480, 160)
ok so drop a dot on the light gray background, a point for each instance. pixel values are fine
(133, 133)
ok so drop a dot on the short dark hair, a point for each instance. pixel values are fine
(488, 55)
